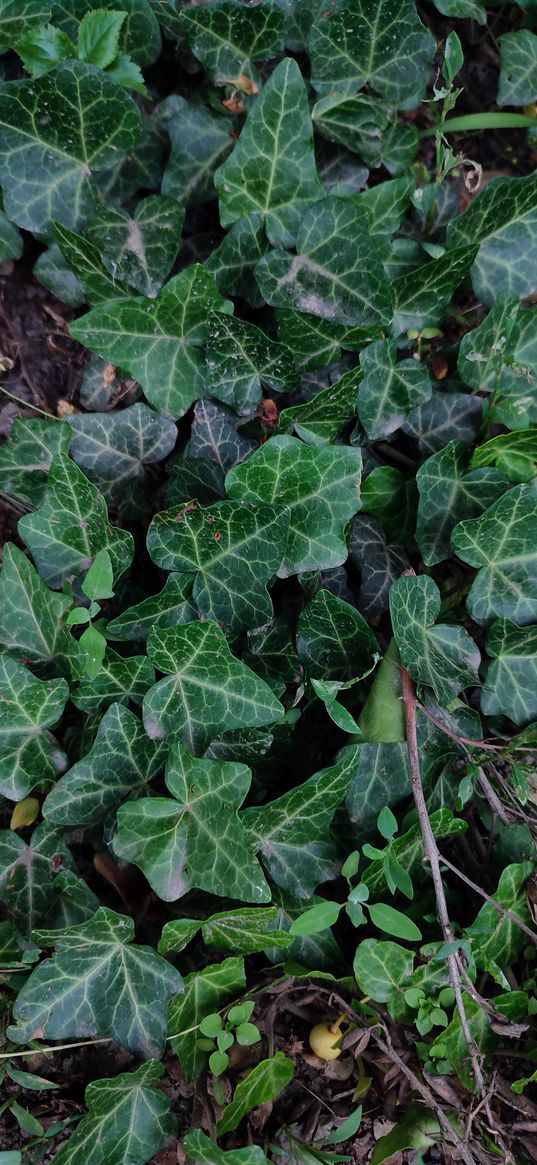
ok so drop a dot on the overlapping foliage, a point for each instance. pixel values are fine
(328, 474)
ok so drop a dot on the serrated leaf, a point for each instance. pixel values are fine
(386, 47)
(71, 526)
(337, 272)
(264, 1083)
(381, 969)
(422, 294)
(27, 875)
(510, 685)
(172, 605)
(503, 220)
(128, 1118)
(200, 140)
(98, 37)
(57, 129)
(159, 341)
(205, 991)
(333, 640)
(228, 37)
(140, 33)
(26, 458)
(233, 549)
(196, 839)
(206, 690)
(86, 263)
(502, 543)
(389, 390)
(441, 656)
(125, 680)
(121, 763)
(214, 436)
(446, 416)
(206, 1152)
(448, 493)
(20, 17)
(29, 756)
(320, 488)
(32, 626)
(320, 421)
(97, 984)
(291, 833)
(243, 364)
(114, 448)
(518, 68)
(494, 936)
(140, 249)
(272, 168)
(232, 263)
(378, 561)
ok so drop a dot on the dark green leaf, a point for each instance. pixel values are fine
(114, 448)
(32, 626)
(320, 421)
(200, 141)
(518, 72)
(502, 220)
(29, 756)
(140, 249)
(333, 640)
(206, 1152)
(171, 606)
(503, 544)
(243, 364)
(18, 18)
(25, 459)
(443, 657)
(205, 991)
(264, 1083)
(228, 37)
(447, 494)
(389, 391)
(510, 685)
(381, 969)
(379, 563)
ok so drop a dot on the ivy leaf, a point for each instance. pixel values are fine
(422, 294)
(232, 263)
(443, 657)
(389, 390)
(124, 680)
(465, 9)
(388, 48)
(264, 1083)
(382, 968)
(271, 654)
(446, 416)
(214, 436)
(160, 341)
(20, 17)
(333, 640)
(502, 542)
(391, 497)
(97, 984)
(317, 342)
(233, 548)
(121, 763)
(27, 875)
(510, 686)
(57, 130)
(11, 242)
(518, 68)
(85, 262)
(205, 991)
(248, 930)
(29, 756)
(206, 690)
(71, 526)
(353, 120)
(205, 1152)
(114, 448)
(140, 249)
(26, 458)
(53, 271)
(502, 219)
(320, 421)
(291, 833)
(227, 37)
(196, 840)
(495, 937)
(378, 561)
(379, 777)
(128, 1118)
(200, 140)
(499, 357)
(172, 605)
(272, 168)
(242, 363)
(447, 494)
(194, 477)
(320, 488)
(337, 272)
(32, 624)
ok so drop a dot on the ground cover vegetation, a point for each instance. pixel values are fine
(268, 601)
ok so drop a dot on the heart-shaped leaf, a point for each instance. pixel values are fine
(443, 657)
(113, 448)
(140, 249)
(502, 219)
(389, 390)
(29, 756)
(378, 561)
(26, 458)
(243, 364)
(510, 686)
(503, 544)
(448, 493)
(214, 436)
(333, 640)
(227, 37)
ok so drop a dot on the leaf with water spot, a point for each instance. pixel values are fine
(244, 365)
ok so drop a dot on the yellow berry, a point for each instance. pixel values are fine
(322, 1038)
